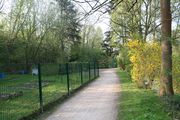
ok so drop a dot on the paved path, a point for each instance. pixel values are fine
(97, 101)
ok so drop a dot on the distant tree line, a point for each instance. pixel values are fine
(34, 31)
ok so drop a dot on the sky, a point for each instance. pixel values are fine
(6, 6)
(97, 18)
(103, 22)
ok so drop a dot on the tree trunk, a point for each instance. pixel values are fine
(166, 66)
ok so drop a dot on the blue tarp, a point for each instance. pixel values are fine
(2, 75)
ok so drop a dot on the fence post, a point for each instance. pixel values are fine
(98, 68)
(40, 88)
(81, 70)
(94, 69)
(89, 66)
(61, 72)
(67, 73)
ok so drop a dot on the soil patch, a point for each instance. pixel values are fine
(5, 96)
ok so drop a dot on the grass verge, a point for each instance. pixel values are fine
(139, 104)
(55, 87)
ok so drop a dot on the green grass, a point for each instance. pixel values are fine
(139, 104)
(15, 108)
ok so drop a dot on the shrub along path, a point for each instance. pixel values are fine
(97, 101)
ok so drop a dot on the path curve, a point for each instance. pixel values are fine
(97, 101)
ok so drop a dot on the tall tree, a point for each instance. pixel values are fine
(68, 28)
(166, 66)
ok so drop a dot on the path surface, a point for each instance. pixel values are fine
(97, 101)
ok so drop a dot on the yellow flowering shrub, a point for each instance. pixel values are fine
(146, 60)
(146, 64)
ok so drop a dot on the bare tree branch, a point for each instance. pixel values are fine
(1, 4)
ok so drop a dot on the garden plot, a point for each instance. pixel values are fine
(32, 85)
(11, 92)
(6, 96)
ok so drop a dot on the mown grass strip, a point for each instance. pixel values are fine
(139, 104)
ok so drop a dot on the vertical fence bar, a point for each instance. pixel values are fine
(89, 67)
(61, 72)
(94, 69)
(98, 68)
(40, 88)
(81, 70)
(67, 73)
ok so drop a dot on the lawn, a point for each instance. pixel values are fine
(23, 105)
(54, 86)
(139, 104)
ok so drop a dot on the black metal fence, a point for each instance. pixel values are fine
(26, 89)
